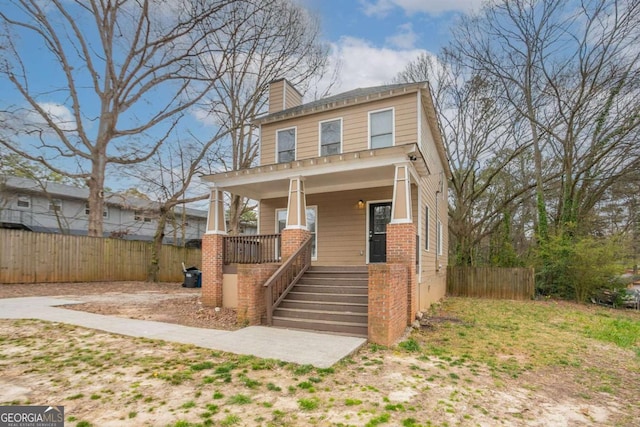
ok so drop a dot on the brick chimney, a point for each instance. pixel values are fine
(283, 95)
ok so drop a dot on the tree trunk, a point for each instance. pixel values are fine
(154, 267)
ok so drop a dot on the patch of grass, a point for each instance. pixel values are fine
(75, 396)
(309, 404)
(273, 387)
(622, 332)
(189, 404)
(302, 369)
(410, 345)
(217, 395)
(381, 419)
(230, 420)
(132, 414)
(352, 402)
(239, 399)
(202, 366)
(84, 424)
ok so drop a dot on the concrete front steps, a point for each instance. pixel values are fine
(327, 299)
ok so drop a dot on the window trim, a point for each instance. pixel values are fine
(295, 143)
(393, 126)
(315, 208)
(105, 210)
(320, 134)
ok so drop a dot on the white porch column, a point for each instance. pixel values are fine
(401, 206)
(297, 205)
(216, 223)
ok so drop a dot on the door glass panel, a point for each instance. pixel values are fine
(381, 217)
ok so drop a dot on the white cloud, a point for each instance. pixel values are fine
(405, 38)
(59, 114)
(362, 64)
(381, 8)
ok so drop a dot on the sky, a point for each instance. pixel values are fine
(373, 40)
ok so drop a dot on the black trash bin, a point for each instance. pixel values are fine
(192, 278)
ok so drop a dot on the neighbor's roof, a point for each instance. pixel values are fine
(82, 193)
(345, 98)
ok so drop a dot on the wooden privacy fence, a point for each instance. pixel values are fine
(491, 282)
(28, 257)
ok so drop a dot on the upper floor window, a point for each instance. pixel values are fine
(23, 201)
(381, 129)
(286, 145)
(55, 205)
(330, 137)
(105, 211)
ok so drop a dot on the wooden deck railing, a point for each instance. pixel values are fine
(252, 249)
(281, 282)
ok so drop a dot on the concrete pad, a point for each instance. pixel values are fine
(302, 347)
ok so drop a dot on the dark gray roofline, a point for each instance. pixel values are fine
(352, 94)
(78, 193)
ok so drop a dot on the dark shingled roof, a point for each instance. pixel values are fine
(352, 94)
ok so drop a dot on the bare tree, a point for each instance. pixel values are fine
(570, 69)
(482, 143)
(119, 77)
(266, 40)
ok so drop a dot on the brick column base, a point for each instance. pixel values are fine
(387, 302)
(212, 260)
(251, 299)
(401, 249)
(290, 240)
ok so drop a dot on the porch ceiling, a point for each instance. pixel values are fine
(340, 172)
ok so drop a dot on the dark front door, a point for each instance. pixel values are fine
(379, 217)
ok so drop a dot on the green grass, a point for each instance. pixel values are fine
(309, 404)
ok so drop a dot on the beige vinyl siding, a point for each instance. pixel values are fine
(432, 281)
(355, 127)
(291, 97)
(341, 225)
(276, 98)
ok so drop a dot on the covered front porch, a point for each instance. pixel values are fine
(334, 213)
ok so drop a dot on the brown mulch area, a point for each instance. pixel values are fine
(162, 302)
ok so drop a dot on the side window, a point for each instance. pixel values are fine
(23, 202)
(439, 237)
(426, 227)
(286, 145)
(55, 205)
(312, 215)
(381, 129)
(330, 137)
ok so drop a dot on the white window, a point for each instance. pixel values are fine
(312, 215)
(439, 237)
(426, 227)
(381, 129)
(23, 202)
(330, 137)
(55, 205)
(105, 211)
(286, 145)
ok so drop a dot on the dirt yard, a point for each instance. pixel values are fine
(476, 363)
(163, 302)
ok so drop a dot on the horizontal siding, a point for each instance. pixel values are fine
(355, 122)
(341, 225)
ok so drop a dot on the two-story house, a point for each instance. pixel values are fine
(51, 207)
(357, 184)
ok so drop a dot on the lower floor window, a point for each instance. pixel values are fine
(312, 214)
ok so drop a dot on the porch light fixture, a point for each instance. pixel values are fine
(360, 204)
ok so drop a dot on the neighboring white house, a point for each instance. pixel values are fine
(59, 208)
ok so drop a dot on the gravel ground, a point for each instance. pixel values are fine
(163, 302)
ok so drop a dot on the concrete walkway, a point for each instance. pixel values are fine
(317, 349)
